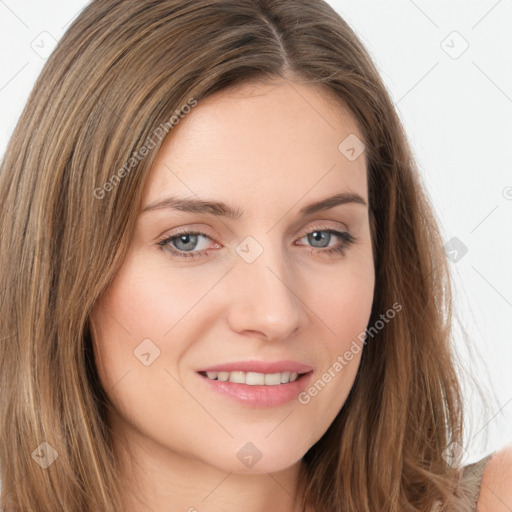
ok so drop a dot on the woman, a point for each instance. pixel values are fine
(224, 286)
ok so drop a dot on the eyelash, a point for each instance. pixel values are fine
(346, 237)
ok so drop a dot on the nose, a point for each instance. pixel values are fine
(262, 299)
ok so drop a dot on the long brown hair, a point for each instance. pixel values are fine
(70, 188)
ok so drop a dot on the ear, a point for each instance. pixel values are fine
(496, 489)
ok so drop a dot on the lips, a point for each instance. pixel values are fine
(259, 367)
(257, 396)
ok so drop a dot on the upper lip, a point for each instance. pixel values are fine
(260, 367)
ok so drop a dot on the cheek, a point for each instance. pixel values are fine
(343, 300)
(146, 301)
(343, 303)
(132, 353)
(141, 327)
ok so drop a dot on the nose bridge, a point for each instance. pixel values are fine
(265, 299)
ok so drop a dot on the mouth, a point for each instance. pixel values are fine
(255, 378)
(254, 389)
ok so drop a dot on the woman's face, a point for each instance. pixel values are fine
(265, 283)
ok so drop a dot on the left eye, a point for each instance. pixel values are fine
(321, 235)
(184, 245)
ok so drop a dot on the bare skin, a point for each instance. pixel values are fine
(496, 487)
(268, 150)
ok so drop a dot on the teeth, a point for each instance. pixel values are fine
(253, 378)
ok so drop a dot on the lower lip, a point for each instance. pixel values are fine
(260, 396)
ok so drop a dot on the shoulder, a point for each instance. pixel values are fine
(496, 489)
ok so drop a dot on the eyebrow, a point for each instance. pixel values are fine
(220, 209)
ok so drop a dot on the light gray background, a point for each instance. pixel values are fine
(456, 105)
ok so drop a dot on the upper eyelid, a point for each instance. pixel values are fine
(202, 231)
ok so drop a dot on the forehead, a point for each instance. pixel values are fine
(260, 143)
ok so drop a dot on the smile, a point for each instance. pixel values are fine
(247, 388)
